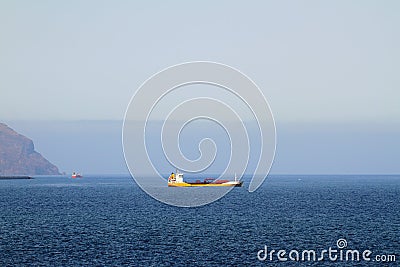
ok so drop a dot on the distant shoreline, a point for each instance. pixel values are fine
(14, 177)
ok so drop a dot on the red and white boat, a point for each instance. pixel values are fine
(76, 175)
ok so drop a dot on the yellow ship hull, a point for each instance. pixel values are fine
(231, 184)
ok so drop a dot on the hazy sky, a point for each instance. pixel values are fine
(314, 60)
(324, 66)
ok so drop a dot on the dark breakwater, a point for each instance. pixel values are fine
(15, 177)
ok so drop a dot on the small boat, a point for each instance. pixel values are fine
(76, 175)
(176, 180)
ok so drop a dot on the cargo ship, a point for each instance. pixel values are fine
(176, 180)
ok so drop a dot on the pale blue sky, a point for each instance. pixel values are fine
(329, 69)
(314, 60)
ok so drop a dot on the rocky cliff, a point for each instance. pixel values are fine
(18, 156)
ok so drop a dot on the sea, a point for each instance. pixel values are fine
(102, 220)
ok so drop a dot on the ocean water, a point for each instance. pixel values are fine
(109, 221)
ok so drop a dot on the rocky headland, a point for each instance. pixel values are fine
(18, 156)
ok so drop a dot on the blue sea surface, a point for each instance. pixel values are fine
(110, 221)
